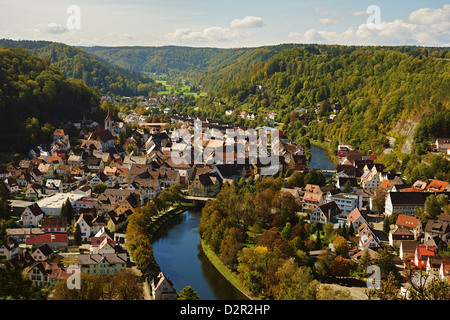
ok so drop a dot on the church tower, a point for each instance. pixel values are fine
(109, 122)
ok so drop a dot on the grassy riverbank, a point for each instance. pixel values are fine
(225, 271)
(164, 217)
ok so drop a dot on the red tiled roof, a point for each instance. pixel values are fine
(404, 220)
(47, 238)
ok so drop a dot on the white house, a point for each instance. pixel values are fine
(325, 213)
(32, 216)
(367, 239)
(370, 180)
(12, 185)
(404, 202)
(356, 218)
(102, 245)
(10, 248)
(53, 186)
(162, 288)
(34, 191)
(89, 225)
(347, 202)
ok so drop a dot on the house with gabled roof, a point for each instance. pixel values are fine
(162, 288)
(44, 274)
(408, 250)
(12, 185)
(4, 173)
(105, 137)
(411, 223)
(444, 270)
(54, 224)
(102, 245)
(370, 180)
(312, 198)
(89, 225)
(356, 218)
(33, 191)
(437, 228)
(9, 248)
(43, 253)
(205, 185)
(397, 235)
(421, 255)
(53, 186)
(404, 202)
(367, 238)
(438, 186)
(168, 177)
(434, 263)
(25, 179)
(117, 222)
(32, 216)
(130, 203)
(102, 264)
(325, 213)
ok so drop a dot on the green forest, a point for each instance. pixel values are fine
(199, 67)
(79, 64)
(34, 97)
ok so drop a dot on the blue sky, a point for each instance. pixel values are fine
(232, 23)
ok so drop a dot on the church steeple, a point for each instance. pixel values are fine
(109, 122)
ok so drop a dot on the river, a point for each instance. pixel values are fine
(320, 159)
(177, 250)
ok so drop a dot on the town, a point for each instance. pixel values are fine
(92, 188)
(74, 202)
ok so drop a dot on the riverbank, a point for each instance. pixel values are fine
(166, 216)
(225, 271)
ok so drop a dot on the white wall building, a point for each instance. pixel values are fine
(52, 204)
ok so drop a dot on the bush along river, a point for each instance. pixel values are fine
(178, 252)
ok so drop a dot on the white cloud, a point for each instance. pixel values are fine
(329, 21)
(424, 27)
(430, 16)
(248, 22)
(358, 13)
(52, 28)
(206, 35)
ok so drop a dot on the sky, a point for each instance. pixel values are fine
(227, 23)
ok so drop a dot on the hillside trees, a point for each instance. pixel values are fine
(35, 97)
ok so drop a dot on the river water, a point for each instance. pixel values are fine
(320, 159)
(177, 250)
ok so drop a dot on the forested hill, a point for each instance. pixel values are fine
(93, 71)
(374, 87)
(200, 66)
(35, 97)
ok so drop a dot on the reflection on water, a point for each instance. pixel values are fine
(320, 159)
(177, 250)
